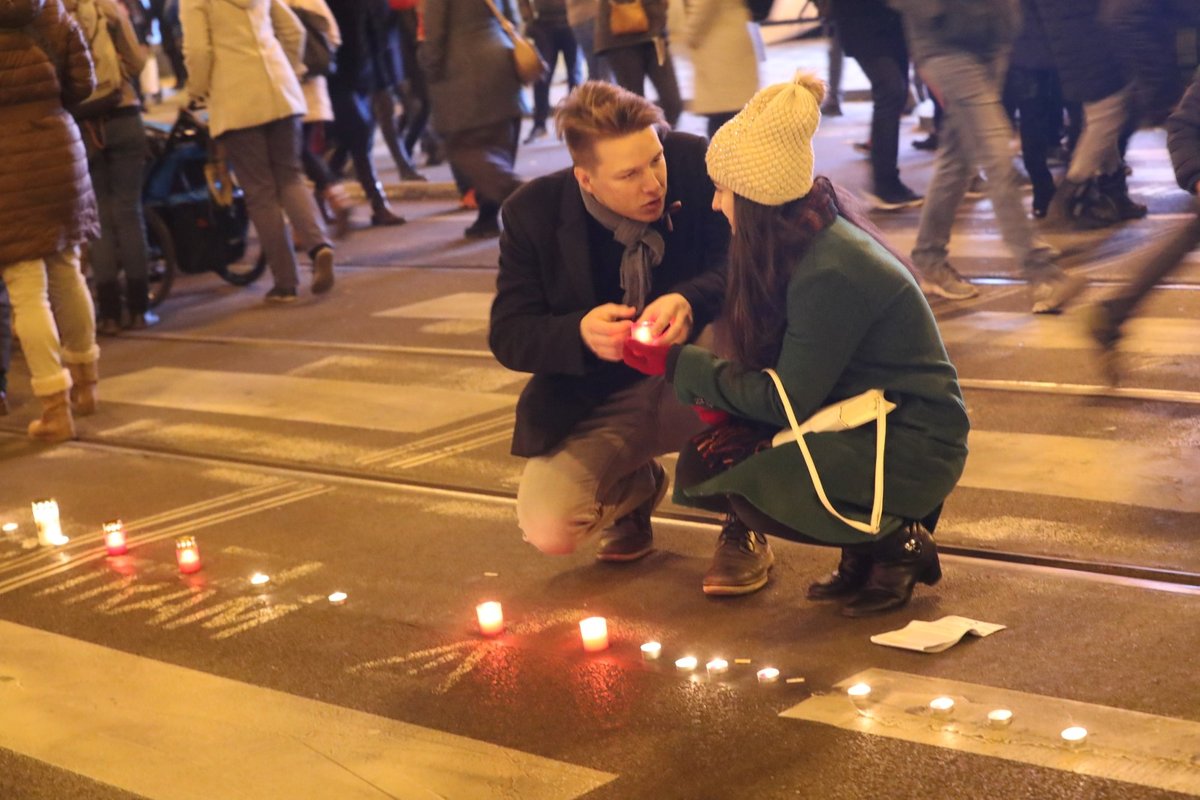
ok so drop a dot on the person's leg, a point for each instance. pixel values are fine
(1097, 152)
(355, 127)
(283, 145)
(485, 159)
(628, 67)
(384, 106)
(597, 67)
(889, 88)
(73, 313)
(666, 83)
(836, 60)
(102, 252)
(1035, 112)
(6, 339)
(249, 155)
(543, 39)
(564, 42)
(126, 146)
(715, 121)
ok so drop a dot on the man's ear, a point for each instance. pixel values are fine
(584, 179)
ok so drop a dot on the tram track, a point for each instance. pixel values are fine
(1109, 571)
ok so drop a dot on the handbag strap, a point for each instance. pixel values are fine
(880, 438)
(503, 20)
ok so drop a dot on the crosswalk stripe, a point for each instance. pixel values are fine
(426, 443)
(1083, 468)
(1147, 335)
(169, 733)
(384, 407)
(463, 305)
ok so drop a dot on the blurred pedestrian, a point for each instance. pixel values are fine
(1033, 91)
(477, 104)
(546, 23)
(638, 50)
(581, 16)
(962, 52)
(725, 47)
(6, 339)
(116, 146)
(414, 92)
(244, 57)
(820, 312)
(48, 208)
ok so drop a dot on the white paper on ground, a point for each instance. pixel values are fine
(935, 636)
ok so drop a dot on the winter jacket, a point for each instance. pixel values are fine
(46, 200)
(244, 56)
(369, 59)
(656, 14)
(982, 28)
(468, 64)
(1031, 50)
(1183, 137)
(1146, 33)
(316, 88)
(130, 52)
(725, 57)
(546, 12)
(1089, 68)
(856, 320)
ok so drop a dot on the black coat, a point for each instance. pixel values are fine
(869, 28)
(369, 56)
(1183, 137)
(546, 286)
(1083, 50)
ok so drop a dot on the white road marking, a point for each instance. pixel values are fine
(169, 733)
(375, 406)
(1084, 468)
(464, 305)
(1148, 335)
(1083, 390)
(1129, 746)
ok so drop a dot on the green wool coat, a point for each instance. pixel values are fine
(856, 320)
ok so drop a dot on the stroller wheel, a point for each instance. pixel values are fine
(242, 273)
(162, 265)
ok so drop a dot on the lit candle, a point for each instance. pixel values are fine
(9, 527)
(491, 618)
(768, 675)
(259, 579)
(941, 706)
(718, 666)
(114, 538)
(642, 333)
(337, 598)
(594, 631)
(860, 694)
(1000, 718)
(1074, 736)
(187, 554)
(49, 527)
(687, 663)
(651, 651)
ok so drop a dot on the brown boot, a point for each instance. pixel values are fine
(56, 424)
(83, 388)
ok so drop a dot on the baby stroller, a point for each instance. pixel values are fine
(195, 214)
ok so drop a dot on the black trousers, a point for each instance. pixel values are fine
(485, 157)
(1037, 98)
(888, 75)
(551, 40)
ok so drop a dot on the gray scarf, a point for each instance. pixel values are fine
(644, 248)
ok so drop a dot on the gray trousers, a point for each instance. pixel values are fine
(1098, 151)
(266, 160)
(601, 471)
(976, 133)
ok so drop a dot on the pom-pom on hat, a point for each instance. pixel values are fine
(765, 153)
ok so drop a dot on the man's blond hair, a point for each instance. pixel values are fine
(596, 111)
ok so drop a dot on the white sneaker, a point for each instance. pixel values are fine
(944, 281)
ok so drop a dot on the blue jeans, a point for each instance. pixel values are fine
(975, 134)
(116, 170)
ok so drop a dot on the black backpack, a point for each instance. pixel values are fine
(759, 9)
(318, 52)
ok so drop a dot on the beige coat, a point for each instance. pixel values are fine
(725, 55)
(243, 56)
(316, 87)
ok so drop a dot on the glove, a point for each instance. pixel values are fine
(711, 416)
(648, 359)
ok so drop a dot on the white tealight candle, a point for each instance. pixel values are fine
(687, 663)
(594, 632)
(1074, 736)
(259, 579)
(860, 694)
(9, 527)
(941, 706)
(337, 598)
(642, 333)
(491, 618)
(49, 527)
(1000, 718)
(768, 675)
(651, 651)
(718, 666)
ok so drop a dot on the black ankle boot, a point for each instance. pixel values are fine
(902, 560)
(108, 307)
(1116, 188)
(849, 577)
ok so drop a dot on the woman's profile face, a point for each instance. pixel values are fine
(723, 202)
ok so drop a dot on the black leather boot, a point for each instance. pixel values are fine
(381, 211)
(742, 562)
(632, 536)
(849, 577)
(902, 560)
(487, 224)
(137, 295)
(1116, 188)
(108, 308)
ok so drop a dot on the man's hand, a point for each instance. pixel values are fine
(605, 328)
(670, 318)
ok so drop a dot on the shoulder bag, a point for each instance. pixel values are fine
(528, 61)
(853, 412)
(627, 17)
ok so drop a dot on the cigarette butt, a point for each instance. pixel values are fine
(794, 680)
(491, 574)
(742, 661)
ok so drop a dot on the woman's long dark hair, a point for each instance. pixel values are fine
(766, 243)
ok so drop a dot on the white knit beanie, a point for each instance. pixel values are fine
(765, 153)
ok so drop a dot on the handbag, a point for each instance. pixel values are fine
(853, 412)
(629, 17)
(526, 58)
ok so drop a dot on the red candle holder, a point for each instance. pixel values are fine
(187, 554)
(114, 538)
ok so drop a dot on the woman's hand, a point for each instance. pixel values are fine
(670, 318)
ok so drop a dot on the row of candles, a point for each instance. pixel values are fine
(187, 551)
(943, 708)
(593, 633)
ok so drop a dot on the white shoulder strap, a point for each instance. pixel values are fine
(880, 438)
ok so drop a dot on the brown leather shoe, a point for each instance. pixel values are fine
(632, 537)
(742, 562)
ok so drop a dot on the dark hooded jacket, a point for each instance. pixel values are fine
(46, 200)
